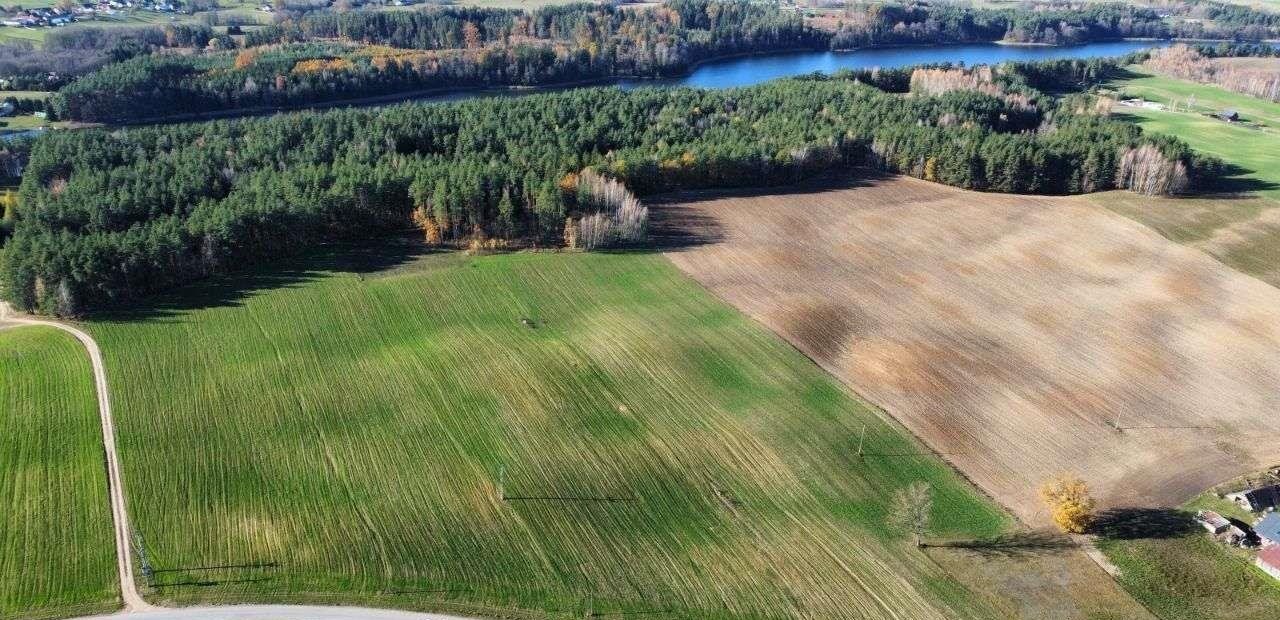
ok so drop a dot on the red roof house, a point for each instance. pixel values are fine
(1269, 560)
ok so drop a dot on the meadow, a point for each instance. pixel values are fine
(521, 435)
(1189, 576)
(1250, 144)
(56, 548)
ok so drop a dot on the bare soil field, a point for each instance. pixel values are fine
(1018, 336)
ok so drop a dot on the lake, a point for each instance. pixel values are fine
(748, 70)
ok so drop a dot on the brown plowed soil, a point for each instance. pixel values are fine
(1018, 336)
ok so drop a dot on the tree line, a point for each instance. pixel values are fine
(868, 24)
(1187, 63)
(107, 217)
(330, 56)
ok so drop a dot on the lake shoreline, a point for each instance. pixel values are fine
(688, 77)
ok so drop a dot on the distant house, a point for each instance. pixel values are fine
(1222, 528)
(1269, 560)
(1257, 500)
(1229, 115)
(1212, 521)
(1268, 529)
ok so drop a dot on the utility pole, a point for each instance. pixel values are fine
(862, 437)
(502, 479)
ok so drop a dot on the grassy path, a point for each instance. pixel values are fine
(115, 487)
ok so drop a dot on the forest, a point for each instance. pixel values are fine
(68, 53)
(329, 56)
(332, 56)
(108, 216)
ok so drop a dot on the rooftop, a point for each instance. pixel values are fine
(1270, 556)
(1269, 527)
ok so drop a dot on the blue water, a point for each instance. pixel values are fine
(748, 70)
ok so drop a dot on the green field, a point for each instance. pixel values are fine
(57, 555)
(341, 431)
(1191, 577)
(1254, 145)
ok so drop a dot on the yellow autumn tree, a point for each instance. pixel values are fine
(427, 224)
(246, 58)
(8, 205)
(1070, 504)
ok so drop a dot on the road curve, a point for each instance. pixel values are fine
(137, 608)
(119, 515)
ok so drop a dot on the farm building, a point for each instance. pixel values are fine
(1222, 528)
(1212, 521)
(1258, 499)
(1268, 529)
(1269, 560)
(1229, 115)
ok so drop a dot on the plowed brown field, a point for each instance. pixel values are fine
(1017, 336)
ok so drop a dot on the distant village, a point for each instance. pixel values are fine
(1263, 534)
(49, 17)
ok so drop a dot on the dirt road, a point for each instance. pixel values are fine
(137, 608)
(119, 515)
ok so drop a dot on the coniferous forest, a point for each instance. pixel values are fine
(111, 215)
(328, 56)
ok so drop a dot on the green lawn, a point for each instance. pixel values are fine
(14, 33)
(1192, 577)
(57, 553)
(401, 438)
(1255, 149)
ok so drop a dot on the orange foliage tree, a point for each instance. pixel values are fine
(1069, 502)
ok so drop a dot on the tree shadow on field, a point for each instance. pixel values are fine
(677, 221)
(193, 569)
(1139, 523)
(209, 583)
(1016, 544)
(360, 257)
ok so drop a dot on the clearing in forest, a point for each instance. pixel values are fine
(57, 552)
(1018, 336)
(1250, 144)
(526, 435)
